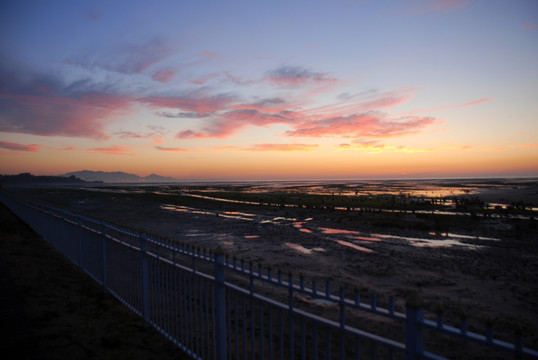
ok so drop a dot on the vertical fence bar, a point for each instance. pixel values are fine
(79, 240)
(414, 341)
(103, 247)
(144, 269)
(220, 309)
(290, 307)
(342, 306)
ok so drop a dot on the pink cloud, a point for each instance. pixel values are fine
(530, 26)
(350, 118)
(281, 147)
(158, 141)
(229, 123)
(54, 114)
(362, 125)
(355, 104)
(113, 150)
(163, 76)
(19, 147)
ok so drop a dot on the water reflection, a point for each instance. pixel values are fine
(350, 238)
(354, 246)
(302, 249)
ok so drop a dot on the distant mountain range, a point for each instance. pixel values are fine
(117, 177)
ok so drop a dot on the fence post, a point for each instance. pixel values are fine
(103, 247)
(414, 339)
(144, 274)
(79, 241)
(220, 306)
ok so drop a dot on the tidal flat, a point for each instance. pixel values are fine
(465, 246)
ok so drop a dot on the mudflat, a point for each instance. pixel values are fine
(457, 253)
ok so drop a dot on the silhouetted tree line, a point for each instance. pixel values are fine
(27, 178)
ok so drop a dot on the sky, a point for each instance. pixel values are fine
(270, 90)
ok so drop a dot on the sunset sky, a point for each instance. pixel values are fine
(251, 90)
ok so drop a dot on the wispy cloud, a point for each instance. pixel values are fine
(171, 149)
(372, 124)
(230, 122)
(204, 79)
(163, 76)
(427, 6)
(127, 59)
(449, 107)
(530, 26)
(296, 75)
(201, 105)
(270, 105)
(41, 104)
(19, 147)
(45, 106)
(113, 150)
(50, 115)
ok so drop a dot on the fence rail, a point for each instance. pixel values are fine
(214, 307)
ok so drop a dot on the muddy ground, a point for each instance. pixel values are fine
(489, 274)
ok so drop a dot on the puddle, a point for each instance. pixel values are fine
(354, 246)
(473, 237)
(278, 220)
(366, 238)
(299, 226)
(441, 243)
(193, 233)
(444, 241)
(179, 208)
(299, 248)
(323, 301)
(331, 231)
